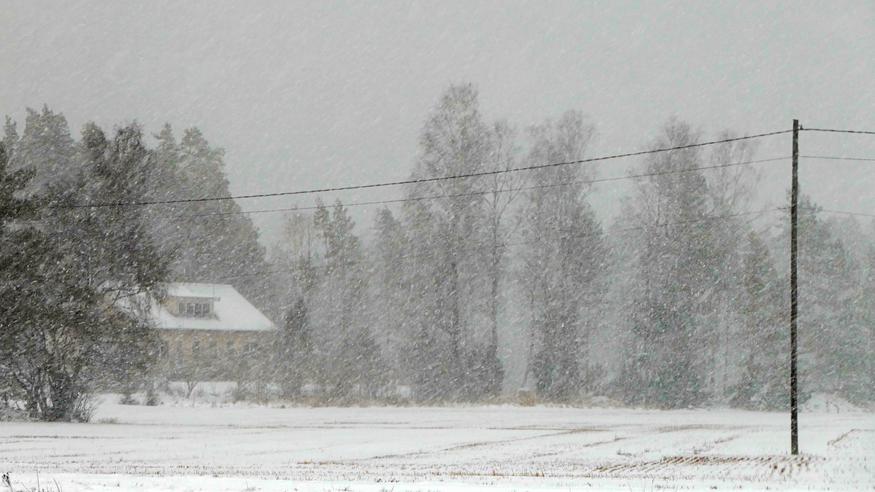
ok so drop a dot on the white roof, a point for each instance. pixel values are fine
(232, 312)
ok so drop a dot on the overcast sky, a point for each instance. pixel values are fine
(313, 94)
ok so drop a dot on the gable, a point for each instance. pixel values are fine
(217, 307)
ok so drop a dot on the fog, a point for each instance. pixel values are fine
(407, 236)
(308, 95)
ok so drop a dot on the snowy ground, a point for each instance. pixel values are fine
(202, 448)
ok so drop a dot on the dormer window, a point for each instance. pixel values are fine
(194, 308)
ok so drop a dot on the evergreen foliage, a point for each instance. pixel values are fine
(70, 317)
(469, 290)
(563, 259)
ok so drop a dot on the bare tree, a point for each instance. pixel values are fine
(502, 189)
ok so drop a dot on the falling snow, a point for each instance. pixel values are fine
(453, 246)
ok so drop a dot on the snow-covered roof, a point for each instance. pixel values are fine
(231, 311)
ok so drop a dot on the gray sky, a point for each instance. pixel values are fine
(318, 94)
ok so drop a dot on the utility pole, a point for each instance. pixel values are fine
(794, 293)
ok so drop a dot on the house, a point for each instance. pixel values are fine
(210, 327)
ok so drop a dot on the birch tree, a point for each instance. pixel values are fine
(447, 240)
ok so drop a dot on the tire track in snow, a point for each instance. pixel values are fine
(477, 444)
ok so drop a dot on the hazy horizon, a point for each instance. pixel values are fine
(296, 105)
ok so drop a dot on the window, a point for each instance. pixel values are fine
(195, 348)
(193, 308)
(188, 307)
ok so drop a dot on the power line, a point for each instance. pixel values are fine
(416, 180)
(837, 158)
(507, 190)
(523, 243)
(833, 130)
(840, 212)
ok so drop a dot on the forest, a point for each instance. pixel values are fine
(471, 289)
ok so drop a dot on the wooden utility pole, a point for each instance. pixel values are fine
(794, 292)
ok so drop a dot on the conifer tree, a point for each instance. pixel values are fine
(563, 257)
(350, 357)
(764, 381)
(392, 306)
(674, 272)
(13, 211)
(209, 241)
(831, 334)
(295, 350)
(74, 320)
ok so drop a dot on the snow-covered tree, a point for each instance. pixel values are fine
(864, 386)
(45, 146)
(563, 259)
(295, 358)
(501, 191)
(447, 241)
(675, 276)
(832, 334)
(14, 210)
(730, 190)
(350, 357)
(391, 305)
(209, 241)
(71, 322)
(763, 340)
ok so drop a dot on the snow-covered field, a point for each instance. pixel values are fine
(202, 448)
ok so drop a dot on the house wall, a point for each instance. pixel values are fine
(215, 354)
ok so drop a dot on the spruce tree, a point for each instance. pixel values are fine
(764, 381)
(350, 358)
(564, 260)
(295, 355)
(13, 211)
(830, 333)
(74, 321)
(675, 273)
(209, 241)
(392, 308)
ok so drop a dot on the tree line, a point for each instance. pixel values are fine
(682, 301)
(471, 289)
